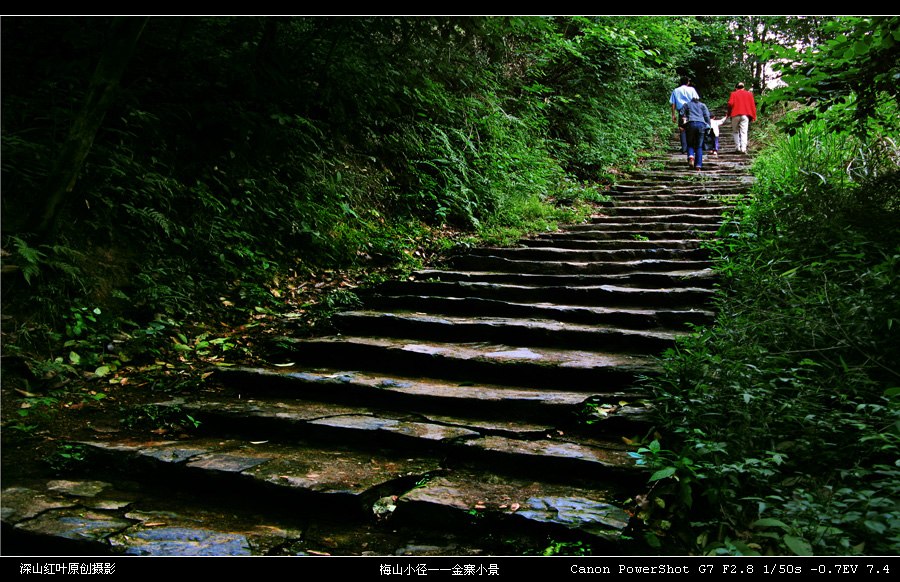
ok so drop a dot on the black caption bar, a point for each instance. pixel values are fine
(39, 569)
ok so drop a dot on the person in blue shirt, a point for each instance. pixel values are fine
(679, 98)
(696, 116)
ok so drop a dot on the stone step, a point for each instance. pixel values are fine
(660, 318)
(726, 178)
(595, 515)
(624, 208)
(610, 226)
(690, 182)
(684, 278)
(524, 332)
(502, 264)
(693, 190)
(482, 362)
(84, 516)
(595, 232)
(433, 399)
(509, 446)
(362, 502)
(555, 254)
(586, 243)
(662, 220)
(598, 295)
(687, 199)
(591, 232)
(514, 447)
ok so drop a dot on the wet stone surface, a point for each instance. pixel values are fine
(424, 550)
(78, 488)
(537, 503)
(573, 512)
(226, 462)
(173, 454)
(549, 449)
(486, 426)
(424, 349)
(182, 541)
(102, 522)
(519, 354)
(107, 504)
(420, 430)
(482, 350)
(299, 411)
(345, 472)
(169, 533)
(330, 469)
(20, 503)
(75, 524)
(371, 387)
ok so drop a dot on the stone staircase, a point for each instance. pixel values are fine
(485, 408)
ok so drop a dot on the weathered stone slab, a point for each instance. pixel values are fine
(573, 370)
(550, 449)
(293, 411)
(580, 255)
(515, 428)
(513, 355)
(491, 263)
(648, 229)
(624, 317)
(627, 209)
(378, 386)
(418, 430)
(530, 502)
(588, 243)
(173, 454)
(326, 469)
(228, 463)
(107, 504)
(339, 471)
(579, 513)
(531, 332)
(182, 541)
(19, 503)
(536, 280)
(75, 524)
(166, 451)
(128, 445)
(78, 488)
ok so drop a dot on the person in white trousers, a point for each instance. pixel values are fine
(741, 110)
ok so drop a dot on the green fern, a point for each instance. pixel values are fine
(65, 259)
(149, 216)
(30, 259)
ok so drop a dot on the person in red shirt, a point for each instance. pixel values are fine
(742, 110)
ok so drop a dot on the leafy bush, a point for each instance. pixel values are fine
(242, 148)
(783, 415)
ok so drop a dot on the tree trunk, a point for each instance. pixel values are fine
(743, 26)
(759, 72)
(123, 36)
